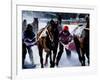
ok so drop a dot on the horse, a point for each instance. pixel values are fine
(82, 46)
(49, 42)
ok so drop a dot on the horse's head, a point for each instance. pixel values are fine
(52, 30)
(54, 25)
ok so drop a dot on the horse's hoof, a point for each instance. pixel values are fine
(51, 66)
(83, 64)
(88, 62)
(56, 64)
(42, 67)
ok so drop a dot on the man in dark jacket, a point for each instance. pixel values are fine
(27, 42)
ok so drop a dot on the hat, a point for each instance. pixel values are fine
(65, 28)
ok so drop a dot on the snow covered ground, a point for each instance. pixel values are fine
(64, 61)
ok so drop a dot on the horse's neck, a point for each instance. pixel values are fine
(79, 31)
(42, 33)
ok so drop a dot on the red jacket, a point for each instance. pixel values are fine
(65, 38)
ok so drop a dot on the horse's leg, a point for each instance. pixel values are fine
(86, 48)
(46, 60)
(54, 56)
(41, 56)
(59, 53)
(44, 44)
(87, 53)
(51, 62)
(79, 54)
(55, 53)
(77, 44)
(83, 57)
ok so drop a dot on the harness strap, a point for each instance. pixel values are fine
(49, 36)
(43, 33)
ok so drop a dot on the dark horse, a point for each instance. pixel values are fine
(82, 46)
(48, 43)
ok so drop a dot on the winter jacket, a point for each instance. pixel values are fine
(65, 38)
(28, 37)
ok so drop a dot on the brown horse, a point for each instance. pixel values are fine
(48, 42)
(82, 46)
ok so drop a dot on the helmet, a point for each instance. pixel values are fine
(65, 28)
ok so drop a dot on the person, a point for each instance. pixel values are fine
(27, 42)
(64, 39)
(24, 25)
